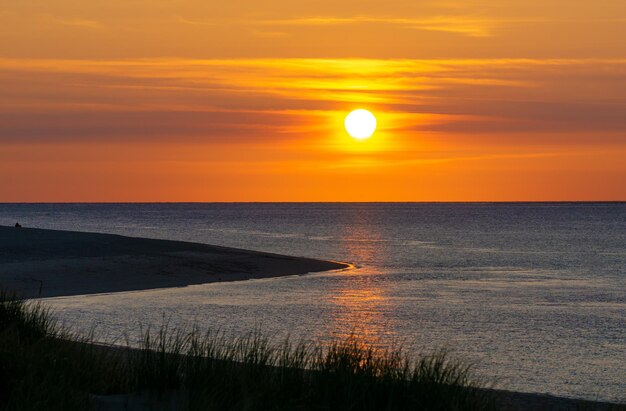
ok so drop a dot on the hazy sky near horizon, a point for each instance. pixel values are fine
(143, 100)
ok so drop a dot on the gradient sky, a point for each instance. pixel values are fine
(146, 100)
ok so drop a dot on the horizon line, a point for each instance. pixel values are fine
(322, 202)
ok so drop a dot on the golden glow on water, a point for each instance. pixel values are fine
(361, 305)
(360, 298)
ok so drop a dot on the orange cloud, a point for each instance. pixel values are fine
(469, 26)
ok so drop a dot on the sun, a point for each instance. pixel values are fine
(360, 124)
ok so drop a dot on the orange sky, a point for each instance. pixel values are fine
(145, 100)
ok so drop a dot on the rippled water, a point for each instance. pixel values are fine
(533, 294)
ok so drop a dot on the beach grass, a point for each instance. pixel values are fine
(46, 366)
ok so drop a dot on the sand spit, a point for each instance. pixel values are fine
(51, 263)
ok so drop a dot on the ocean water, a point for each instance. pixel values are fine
(532, 294)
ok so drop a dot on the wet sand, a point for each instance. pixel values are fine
(52, 263)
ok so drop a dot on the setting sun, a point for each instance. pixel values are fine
(360, 124)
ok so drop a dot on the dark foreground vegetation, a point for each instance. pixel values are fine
(46, 367)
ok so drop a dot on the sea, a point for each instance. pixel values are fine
(532, 295)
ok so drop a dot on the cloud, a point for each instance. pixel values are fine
(193, 22)
(72, 21)
(468, 26)
(281, 99)
(464, 25)
(146, 125)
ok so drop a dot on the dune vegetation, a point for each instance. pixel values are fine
(46, 366)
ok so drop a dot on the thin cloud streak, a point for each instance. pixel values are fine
(464, 25)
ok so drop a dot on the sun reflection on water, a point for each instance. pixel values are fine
(361, 304)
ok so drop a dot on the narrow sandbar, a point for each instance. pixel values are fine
(51, 263)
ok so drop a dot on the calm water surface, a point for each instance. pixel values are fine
(533, 294)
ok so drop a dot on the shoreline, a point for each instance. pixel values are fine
(42, 263)
(66, 262)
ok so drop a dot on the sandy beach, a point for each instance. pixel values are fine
(50, 263)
